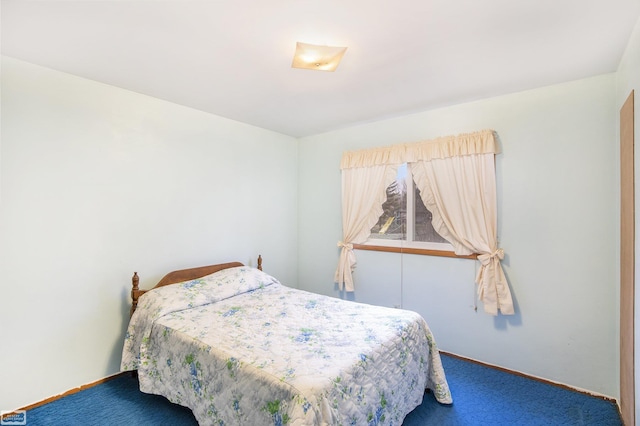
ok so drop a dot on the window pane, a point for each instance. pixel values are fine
(392, 224)
(423, 228)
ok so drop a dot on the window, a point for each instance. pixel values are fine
(459, 173)
(405, 221)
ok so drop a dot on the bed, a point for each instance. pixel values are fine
(238, 347)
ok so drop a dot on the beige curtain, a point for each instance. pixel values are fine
(456, 178)
(460, 192)
(364, 190)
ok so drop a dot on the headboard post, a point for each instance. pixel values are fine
(134, 292)
(260, 262)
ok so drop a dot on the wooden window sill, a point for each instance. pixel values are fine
(426, 252)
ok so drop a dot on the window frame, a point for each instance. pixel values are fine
(408, 245)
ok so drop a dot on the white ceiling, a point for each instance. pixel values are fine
(233, 58)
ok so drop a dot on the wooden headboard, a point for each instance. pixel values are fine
(180, 276)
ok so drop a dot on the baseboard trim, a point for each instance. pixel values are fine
(531, 377)
(67, 393)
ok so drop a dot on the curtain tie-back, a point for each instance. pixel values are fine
(348, 246)
(486, 258)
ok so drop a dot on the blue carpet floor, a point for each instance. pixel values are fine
(482, 396)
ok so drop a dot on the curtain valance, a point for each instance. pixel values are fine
(482, 142)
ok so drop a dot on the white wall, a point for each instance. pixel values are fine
(558, 223)
(628, 79)
(99, 182)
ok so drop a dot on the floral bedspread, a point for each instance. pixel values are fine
(238, 347)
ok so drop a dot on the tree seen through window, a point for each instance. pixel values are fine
(401, 214)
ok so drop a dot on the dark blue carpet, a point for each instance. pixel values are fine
(487, 396)
(482, 396)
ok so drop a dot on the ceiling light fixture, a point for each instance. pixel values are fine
(314, 57)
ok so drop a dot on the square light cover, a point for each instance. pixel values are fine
(319, 58)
